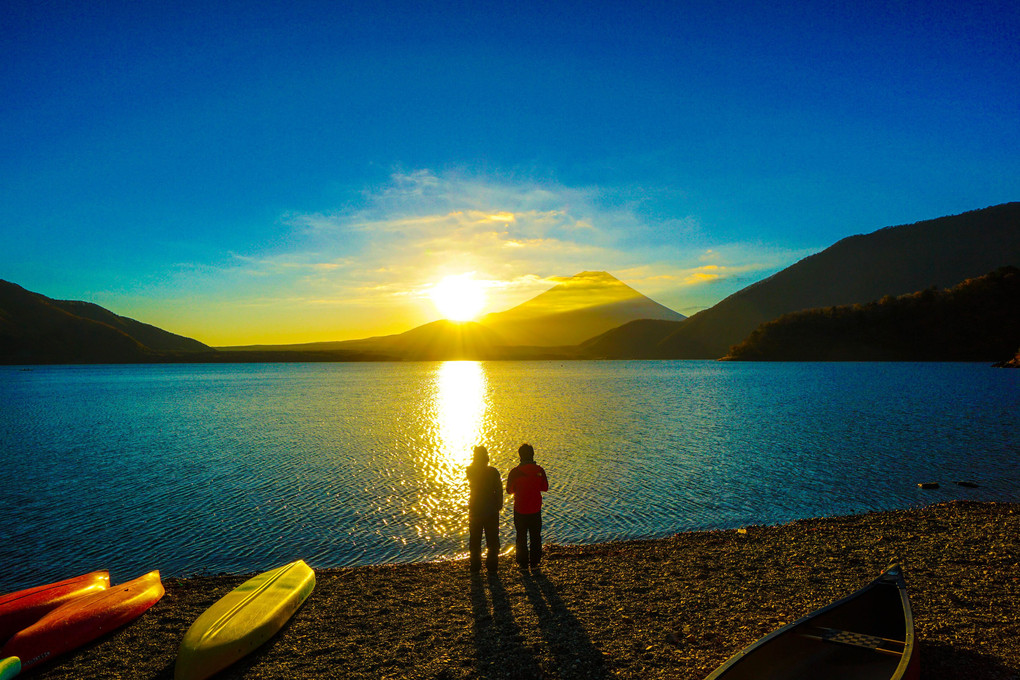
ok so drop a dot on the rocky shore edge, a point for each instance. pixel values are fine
(675, 607)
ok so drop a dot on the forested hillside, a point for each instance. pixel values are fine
(977, 320)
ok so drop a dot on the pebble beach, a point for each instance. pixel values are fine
(674, 607)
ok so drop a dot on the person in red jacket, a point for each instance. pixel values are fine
(525, 483)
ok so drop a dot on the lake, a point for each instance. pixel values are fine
(238, 468)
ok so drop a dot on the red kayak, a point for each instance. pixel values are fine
(83, 619)
(25, 607)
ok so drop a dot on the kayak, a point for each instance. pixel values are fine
(25, 607)
(242, 620)
(9, 667)
(84, 619)
(868, 635)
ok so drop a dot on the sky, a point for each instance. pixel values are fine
(301, 171)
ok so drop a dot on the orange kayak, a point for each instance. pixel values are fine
(25, 607)
(83, 619)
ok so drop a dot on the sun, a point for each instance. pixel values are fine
(458, 298)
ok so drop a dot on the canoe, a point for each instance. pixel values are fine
(9, 667)
(25, 607)
(84, 619)
(868, 635)
(242, 620)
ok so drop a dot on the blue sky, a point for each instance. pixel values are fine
(282, 172)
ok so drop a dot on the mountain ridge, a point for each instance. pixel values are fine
(575, 310)
(548, 326)
(589, 315)
(38, 329)
(891, 261)
(976, 320)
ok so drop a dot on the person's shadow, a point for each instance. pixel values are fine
(573, 650)
(500, 649)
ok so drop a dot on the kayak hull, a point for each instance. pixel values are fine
(21, 609)
(243, 619)
(9, 667)
(868, 635)
(84, 619)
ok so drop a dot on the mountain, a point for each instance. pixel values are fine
(548, 326)
(633, 340)
(37, 329)
(436, 341)
(892, 261)
(150, 336)
(440, 340)
(977, 320)
(575, 310)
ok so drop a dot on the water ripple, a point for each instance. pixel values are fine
(206, 469)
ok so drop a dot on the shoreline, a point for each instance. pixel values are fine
(673, 607)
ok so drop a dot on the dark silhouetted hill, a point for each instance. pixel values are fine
(549, 326)
(633, 340)
(892, 261)
(150, 336)
(437, 341)
(977, 320)
(37, 329)
(574, 311)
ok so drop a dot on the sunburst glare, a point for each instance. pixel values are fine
(458, 298)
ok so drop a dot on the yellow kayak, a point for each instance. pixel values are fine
(242, 620)
(9, 667)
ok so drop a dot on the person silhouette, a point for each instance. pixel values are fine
(484, 503)
(525, 483)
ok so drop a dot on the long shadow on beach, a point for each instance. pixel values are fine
(575, 655)
(500, 648)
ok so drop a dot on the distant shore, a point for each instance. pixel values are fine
(668, 608)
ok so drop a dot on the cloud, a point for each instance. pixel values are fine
(390, 242)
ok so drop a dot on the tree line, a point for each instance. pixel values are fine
(977, 320)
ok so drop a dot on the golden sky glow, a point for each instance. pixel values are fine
(349, 202)
(430, 245)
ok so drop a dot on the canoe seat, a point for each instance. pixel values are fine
(846, 637)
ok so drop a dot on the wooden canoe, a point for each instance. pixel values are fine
(868, 635)
(25, 607)
(84, 619)
(242, 620)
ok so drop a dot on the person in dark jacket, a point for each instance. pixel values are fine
(484, 503)
(526, 482)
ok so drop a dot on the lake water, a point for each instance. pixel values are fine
(238, 468)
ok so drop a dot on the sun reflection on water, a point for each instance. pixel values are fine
(460, 409)
(457, 416)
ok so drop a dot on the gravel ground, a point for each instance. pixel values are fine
(669, 608)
